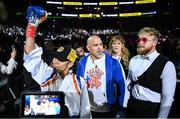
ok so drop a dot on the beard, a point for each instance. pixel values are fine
(141, 50)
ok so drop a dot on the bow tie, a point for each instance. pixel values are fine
(145, 57)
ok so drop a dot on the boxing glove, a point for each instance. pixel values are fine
(35, 16)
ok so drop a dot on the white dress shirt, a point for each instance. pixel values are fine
(138, 66)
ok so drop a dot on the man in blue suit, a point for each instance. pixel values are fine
(102, 73)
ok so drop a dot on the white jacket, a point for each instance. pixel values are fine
(76, 98)
(9, 68)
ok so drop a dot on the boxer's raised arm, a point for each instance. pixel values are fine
(35, 16)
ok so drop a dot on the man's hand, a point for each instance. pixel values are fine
(13, 53)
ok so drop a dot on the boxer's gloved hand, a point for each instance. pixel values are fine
(35, 16)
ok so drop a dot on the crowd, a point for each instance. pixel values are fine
(109, 80)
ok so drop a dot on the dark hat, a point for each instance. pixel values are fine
(66, 53)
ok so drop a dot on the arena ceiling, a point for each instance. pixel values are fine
(122, 11)
(94, 8)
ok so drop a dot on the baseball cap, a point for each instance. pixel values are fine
(65, 53)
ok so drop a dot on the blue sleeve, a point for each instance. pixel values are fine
(81, 68)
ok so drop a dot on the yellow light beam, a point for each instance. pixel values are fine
(144, 1)
(72, 3)
(130, 14)
(108, 3)
(89, 15)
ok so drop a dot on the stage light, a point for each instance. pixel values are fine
(110, 15)
(108, 3)
(89, 15)
(53, 2)
(69, 15)
(144, 1)
(126, 3)
(130, 14)
(149, 13)
(72, 3)
(90, 3)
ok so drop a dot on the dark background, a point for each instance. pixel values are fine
(167, 15)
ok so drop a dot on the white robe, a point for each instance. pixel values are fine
(41, 73)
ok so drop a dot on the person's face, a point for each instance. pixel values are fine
(59, 65)
(146, 44)
(95, 47)
(80, 51)
(117, 46)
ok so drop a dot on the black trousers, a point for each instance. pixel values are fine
(103, 114)
(142, 109)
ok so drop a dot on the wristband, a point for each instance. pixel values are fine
(31, 30)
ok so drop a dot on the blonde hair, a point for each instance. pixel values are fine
(152, 31)
(125, 52)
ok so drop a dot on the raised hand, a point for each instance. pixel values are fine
(35, 16)
(13, 53)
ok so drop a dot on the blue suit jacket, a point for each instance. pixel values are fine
(113, 75)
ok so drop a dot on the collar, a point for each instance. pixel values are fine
(117, 57)
(60, 77)
(153, 55)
